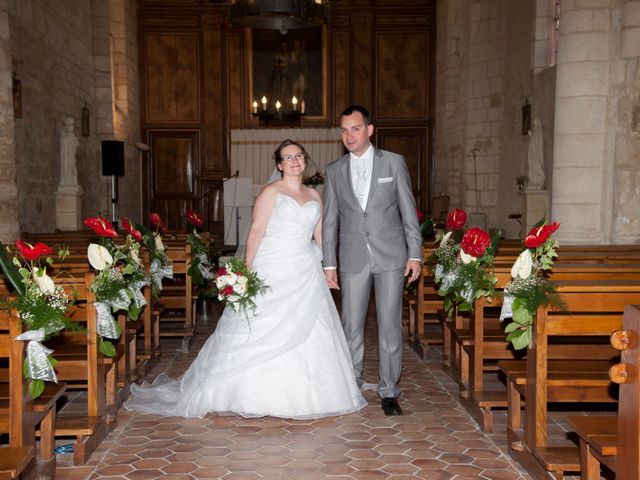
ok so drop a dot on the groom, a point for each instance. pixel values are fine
(370, 217)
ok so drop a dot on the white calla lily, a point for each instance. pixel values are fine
(44, 281)
(466, 258)
(99, 257)
(445, 239)
(159, 244)
(522, 267)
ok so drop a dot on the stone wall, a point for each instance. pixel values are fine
(484, 76)
(8, 190)
(61, 53)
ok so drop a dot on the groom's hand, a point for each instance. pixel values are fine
(412, 270)
(331, 275)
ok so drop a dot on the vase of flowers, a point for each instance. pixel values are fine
(529, 287)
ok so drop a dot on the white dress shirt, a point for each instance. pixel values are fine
(361, 170)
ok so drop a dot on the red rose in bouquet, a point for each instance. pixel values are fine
(194, 218)
(101, 226)
(32, 252)
(133, 231)
(420, 215)
(475, 242)
(538, 235)
(155, 219)
(456, 219)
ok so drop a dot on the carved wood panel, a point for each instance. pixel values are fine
(412, 143)
(402, 76)
(172, 77)
(340, 80)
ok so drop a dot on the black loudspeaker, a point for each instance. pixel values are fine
(112, 158)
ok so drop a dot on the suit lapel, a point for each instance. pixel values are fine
(375, 173)
(345, 169)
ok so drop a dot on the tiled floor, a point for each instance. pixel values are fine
(435, 439)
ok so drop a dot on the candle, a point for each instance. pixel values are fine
(302, 107)
(254, 107)
(264, 103)
(294, 102)
(278, 105)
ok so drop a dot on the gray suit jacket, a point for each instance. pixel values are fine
(389, 226)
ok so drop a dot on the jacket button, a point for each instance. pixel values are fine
(366, 234)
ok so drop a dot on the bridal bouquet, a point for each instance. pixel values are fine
(529, 288)
(41, 304)
(237, 286)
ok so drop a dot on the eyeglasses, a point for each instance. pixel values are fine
(288, 158)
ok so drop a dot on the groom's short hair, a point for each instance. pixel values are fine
(357, 108)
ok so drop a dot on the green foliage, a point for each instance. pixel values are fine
(10, 270)
(107, 348)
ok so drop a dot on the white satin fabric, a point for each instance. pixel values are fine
(290, 360)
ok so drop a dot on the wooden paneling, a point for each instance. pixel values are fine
(402, 76)
(237, 100)
(340, 73)
(413, 144)
(172, 75)
(362, 74)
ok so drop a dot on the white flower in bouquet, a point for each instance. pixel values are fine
(99, 257)
(232, 278)
(221, 282)
(44, 281)
(523, 265)
(159, 244)
(135, 256)
(240, 289)
(466, 258)
(445, 239)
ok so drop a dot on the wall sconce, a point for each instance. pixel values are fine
(281, 115)
(521, 181)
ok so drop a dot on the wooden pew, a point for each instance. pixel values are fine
(614, 441)
(176, 303)
(595, 310)
(20, 414)
(481, 343)
(81, 365)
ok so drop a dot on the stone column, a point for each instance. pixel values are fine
(9, 227)
(582, 160)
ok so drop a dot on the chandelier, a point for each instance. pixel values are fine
(283, 15)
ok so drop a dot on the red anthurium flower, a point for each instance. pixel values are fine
(228, 290)
(456, 219)
(101, 226)
(155, 219)
(539, 235)
(32, 252)
(194, 218)
(222, 271)
(129, 226)
(420, 215)
(474, 242)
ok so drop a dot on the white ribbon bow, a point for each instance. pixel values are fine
(38, 356)
(106, 324)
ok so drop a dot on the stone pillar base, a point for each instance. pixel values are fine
(535, 205)
(68, 209)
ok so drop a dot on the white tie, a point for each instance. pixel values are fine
(361, 180)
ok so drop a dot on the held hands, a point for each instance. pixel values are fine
(331, 276)
(413, 268)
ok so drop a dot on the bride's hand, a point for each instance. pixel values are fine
(332, 278)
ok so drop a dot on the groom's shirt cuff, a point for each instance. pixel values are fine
(330, 268)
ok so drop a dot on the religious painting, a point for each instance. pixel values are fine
(287, 64)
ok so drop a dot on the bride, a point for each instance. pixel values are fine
(291, 358)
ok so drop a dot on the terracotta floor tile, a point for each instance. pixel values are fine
(435, 438)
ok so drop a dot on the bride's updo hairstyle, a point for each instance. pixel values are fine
(277, 155)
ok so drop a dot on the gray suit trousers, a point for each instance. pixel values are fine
(356, 291)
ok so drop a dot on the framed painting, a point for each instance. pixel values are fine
(286, 65)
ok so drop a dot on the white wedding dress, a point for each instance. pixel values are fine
(290, 360)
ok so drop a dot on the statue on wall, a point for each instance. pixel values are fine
(68, 147)
(535, 157)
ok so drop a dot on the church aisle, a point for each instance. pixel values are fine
(435, 439)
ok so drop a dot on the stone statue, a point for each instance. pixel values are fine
(68, 147)
(535, 157)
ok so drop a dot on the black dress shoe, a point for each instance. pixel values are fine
(390, 406)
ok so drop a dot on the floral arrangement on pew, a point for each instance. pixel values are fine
(236, 286)
(204, 257)
(462, 264)
(427, 231)
(314, 180)
(160, 265)
(41, 304)
(529, 287)
(119, 278)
